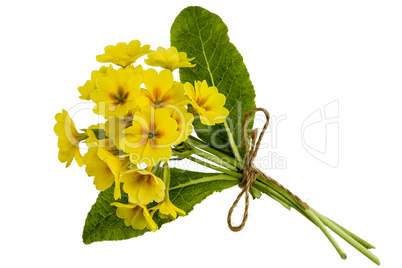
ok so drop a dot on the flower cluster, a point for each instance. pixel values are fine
(146, 113)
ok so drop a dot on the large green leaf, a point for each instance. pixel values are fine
(187, 189)
(204, 36)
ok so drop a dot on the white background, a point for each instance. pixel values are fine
(301, 55)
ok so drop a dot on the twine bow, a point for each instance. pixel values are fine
(250, 172)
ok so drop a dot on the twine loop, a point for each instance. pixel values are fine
(250, 172)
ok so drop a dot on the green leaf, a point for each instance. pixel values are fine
(187, 188)
(204, 36)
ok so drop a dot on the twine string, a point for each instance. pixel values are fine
(250, 172)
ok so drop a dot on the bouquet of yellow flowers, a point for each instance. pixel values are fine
(149, 122)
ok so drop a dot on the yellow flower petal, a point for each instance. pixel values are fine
(158, 84)
(103, 162)
(184, 121)
(125, 212)
(90, 85)
(190, 91)
(151, 136)
(161, 91)
(123, 54)
(142, 186)
(115, 126)
(167, 209)
(103, 176)
(135, 215)
(117, 92)
(153, 153)
(207, 102)
(169, 59)
(114, 165)
(69, 139)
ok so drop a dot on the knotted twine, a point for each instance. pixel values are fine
(250, 172)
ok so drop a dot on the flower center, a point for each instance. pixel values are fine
(157, 103)
(151, 135)
(120, 99)
(121, 96)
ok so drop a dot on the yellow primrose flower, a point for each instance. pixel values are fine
(207, 102)
(114, 165)
(100, 170)
(135, 215)
(150, 137)
(116, 93)
(167, 209)
(69, 139)
(103, 172)
(161, 90)
(90, 85)
(103, 176)
(123, 54)
(184, 121)
(142, 186)
(103, 162)
(169, 59)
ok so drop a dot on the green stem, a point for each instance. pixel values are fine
(255, 193)
(176, 158)
(232, 143)
(355, 237)
(271, 193)
(283, 198)
(282, 192)
(267, 189)
(278, 194)
(287, 203)
(347, 237)
(320, 225)
(193, 141)
(214, 159)
(82, 137)
(166, 178)
(223, 170)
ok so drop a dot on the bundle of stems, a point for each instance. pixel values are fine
(233, 166)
